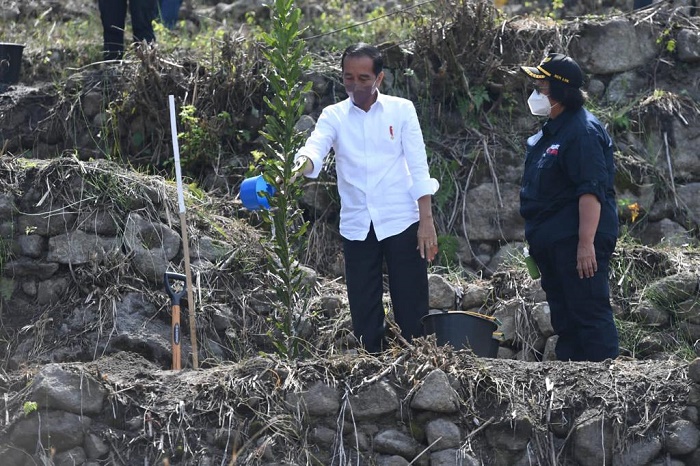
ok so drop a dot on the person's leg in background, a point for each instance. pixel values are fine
(579, 307)
(142, 15)
(408, 281)
(641, 3)
(170, 12)
(552, 284)
(589, 299)
(113, 16)
(363, 278)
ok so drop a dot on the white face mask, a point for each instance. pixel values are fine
(539, 104)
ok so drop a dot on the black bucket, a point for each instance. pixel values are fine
(10, 62)
(463, 329)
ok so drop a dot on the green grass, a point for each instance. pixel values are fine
(56, 49)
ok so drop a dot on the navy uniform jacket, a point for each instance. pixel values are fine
(571, 155)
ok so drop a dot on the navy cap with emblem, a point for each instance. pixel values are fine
(559, 67)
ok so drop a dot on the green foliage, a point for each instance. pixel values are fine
(633, 267)
(286, 53)
(666, 40)
(55, 42)
(633, 335)
(444, 170)
(471, 106)
(29, 407)
(557, 7)
(447, 254)
(200, 138)
(337, 26)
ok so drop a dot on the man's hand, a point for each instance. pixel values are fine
(302, 166)
(427, 239)
(427, 236)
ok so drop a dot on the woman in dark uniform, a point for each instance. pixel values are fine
(567, 199)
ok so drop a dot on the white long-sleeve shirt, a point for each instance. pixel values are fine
(381, 164)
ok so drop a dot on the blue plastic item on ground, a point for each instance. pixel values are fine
(253, 193)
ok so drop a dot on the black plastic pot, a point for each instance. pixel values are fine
(463, 329)
(493, 350)
(10, 62)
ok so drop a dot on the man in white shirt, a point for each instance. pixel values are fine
(385, 195)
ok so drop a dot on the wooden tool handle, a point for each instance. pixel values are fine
(175, 338)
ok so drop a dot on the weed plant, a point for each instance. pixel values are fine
(288, 60)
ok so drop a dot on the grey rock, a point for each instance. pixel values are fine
(694, 395)
(475, 296)
(442, 434)
(505, 313)
(596, 88)
(689, 310)
(436, 394)
(322, 436)
(98, 222)
(541, 317)
(92, 103)
(689, 194)
(210, 249)
(491, 217)
(136, 330)
(549, 353)
(465, 255)
(53, 428)
(221, 318)
(452, 457)
(95, 447)
(625, 86)
(673, 289)
(74, 456)
(682, 437)
(25, 267)
(7, 205)
(666, 461)
(614, 46)
(593, 439)
(650, 314)
(656, 342)
(639, 452)
(306, 123)
(318, 197)
(51, 290)
(694, 370)
(393, 460)
(379, 400)
(688, 46)
(152, 245)
(31, 245)
(684, 156)
(692, 414)
(442, 294)
(57, 388)
(394, 442)
(47, 222)
(666, 232)
(331, 306)
(318, 400)
(506, 257)
(7, 230)
(78, 247)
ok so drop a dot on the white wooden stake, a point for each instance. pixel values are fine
(183, 228)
